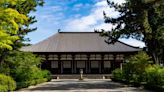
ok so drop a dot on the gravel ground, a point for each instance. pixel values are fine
(87, 85)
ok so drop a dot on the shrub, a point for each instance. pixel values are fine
(6, 83)
(3, 88)
(46, 74)
(155, 76)
(137, 70)
(117, 74)
(32, 76)
(24, 69)
(22, 85)
(134, 68)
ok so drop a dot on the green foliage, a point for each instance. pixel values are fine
(134, 68)
(142, 20)
(3, 88)
(10, 21)
(155, 76)
(117, 74)
(17, 59)
(138, 71)
(46, 74)
(6, 83)
(15, 23)
(15, 20)
(23, 67)
(25, 8)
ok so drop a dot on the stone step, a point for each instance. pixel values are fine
(85, 76)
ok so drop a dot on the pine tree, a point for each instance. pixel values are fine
(14, 23)
(142, 20)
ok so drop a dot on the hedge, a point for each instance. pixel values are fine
(6, 83)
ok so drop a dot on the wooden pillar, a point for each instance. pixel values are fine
(100, 66)
(61, 67)
(89, 64)
(75, 68)
(102, 63)
(113, 63)
(60, 64)
(72, 64)
(72, 67)
(47, 66)
(86, 66)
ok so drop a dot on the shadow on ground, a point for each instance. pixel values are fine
(68, 85)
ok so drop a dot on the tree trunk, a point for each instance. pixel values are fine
(153, 50)
(155, 58)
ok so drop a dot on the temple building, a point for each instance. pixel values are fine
(68, 52)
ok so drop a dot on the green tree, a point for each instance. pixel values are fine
(14, 23)
(23, 67)
(142, 20)
(10, 21)
(19, 62)
(25, 8)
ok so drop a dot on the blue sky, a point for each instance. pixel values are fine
(72, 15)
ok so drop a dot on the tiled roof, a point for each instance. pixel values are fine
(78, 42)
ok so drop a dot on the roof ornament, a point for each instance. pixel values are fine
(59, 30)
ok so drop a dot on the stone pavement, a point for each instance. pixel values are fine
(87, 85)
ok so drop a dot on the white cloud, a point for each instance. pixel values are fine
(119, 1)
(104, 26)
(51, 18)
(101, 4)
(95, 20)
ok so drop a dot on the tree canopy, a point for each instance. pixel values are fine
(15, 20)
(142, 20)
(10, 21)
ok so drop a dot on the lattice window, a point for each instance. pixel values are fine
(66, 57)
(80, 57)
(108, 57)
(120, 57)
(52, 57)
(95, 57)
